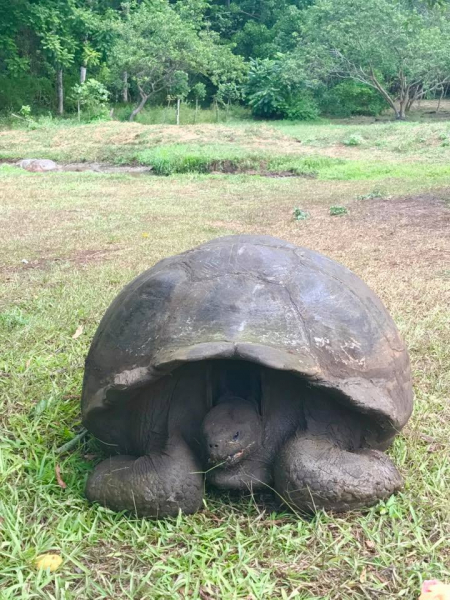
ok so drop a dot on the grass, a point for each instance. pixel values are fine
(84, 235)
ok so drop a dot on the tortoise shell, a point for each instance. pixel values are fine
(257, 299)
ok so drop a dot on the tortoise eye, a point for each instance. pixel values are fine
(236, 436)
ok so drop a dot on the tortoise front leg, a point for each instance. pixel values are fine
(156, 485)
(325, 466)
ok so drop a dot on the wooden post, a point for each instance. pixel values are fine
(178, 110)
(125, 87)
(60, 90)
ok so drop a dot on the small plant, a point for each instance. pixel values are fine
(300, 214)
(373, 195)
(354, 140)
(93, 97)
(25, 116)
(337, 211)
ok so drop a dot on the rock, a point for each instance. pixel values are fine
(38, 165)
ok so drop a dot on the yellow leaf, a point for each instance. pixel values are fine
(363, 576)
(48, 561)
(145, 235)
(78, 332)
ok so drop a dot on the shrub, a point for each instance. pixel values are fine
(302, 108)
(273, 92)
(351, 98)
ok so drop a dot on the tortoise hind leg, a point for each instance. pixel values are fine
(325, 466)
(156, 485)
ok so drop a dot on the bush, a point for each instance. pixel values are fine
(274, 93)
(91, 98)
(302, 108)
(351, 98)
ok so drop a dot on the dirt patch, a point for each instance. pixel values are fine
(83, 258)
(406, 232)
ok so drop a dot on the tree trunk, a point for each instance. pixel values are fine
(440, 99)
(385, 94)
(83, 71)
(216, 105)
(196, 110)
(139, 107)
(79, 110)
(178, 110)
(60, 90)
(125, 86)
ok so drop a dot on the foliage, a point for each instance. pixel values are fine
(301, 108)
(352, 98)
(274, 90)
(199, 91)
(178, 85)
(389, 53)
(92, 96)
(401, 52)
(154, 42)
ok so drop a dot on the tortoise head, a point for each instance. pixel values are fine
(232, 431)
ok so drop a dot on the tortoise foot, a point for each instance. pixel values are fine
(312, 472)
(156, 485)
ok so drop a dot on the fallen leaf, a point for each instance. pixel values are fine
(59, 479)
(363, 576)
(369, 544)
(48, 561)
(78, 332)
(28, 363)
(145, 235)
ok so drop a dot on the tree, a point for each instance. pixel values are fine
(400, 51)
(155, 40)
(53, 24)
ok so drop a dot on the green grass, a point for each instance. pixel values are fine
(84, 236)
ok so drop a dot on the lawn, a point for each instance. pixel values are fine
(70, 240)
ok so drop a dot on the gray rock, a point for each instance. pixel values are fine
(38, 165)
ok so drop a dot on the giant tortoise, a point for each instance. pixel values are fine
(250, 363)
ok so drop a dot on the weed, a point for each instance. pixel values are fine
(375, 194)
(338, 211)
(353, 140)
(300, 214)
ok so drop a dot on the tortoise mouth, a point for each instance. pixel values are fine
(232, 459)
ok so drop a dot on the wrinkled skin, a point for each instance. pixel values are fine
(315, 452)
